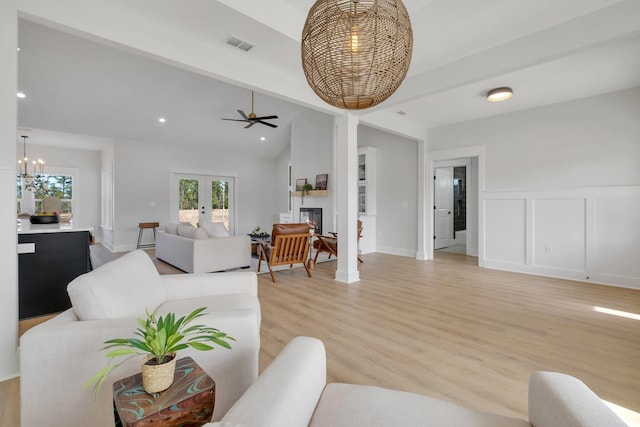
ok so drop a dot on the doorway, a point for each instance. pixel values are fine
(198, 199)
(450, 194)
(455, 197)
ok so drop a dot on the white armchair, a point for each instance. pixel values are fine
(59, 356)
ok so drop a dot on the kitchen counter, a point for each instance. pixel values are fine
(50, 256)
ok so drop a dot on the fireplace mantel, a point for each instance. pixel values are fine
(311, 193)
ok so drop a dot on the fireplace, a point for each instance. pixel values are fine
(312, 214)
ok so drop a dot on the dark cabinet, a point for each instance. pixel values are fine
(44, 273)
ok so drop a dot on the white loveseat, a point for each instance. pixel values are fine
(194, 250)
(292, 392)
(59, 356)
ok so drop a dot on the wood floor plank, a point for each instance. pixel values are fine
(449, 329)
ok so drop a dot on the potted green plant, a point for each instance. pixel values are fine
(159, 338)
(305, 191)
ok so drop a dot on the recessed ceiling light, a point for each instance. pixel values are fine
(499, 94)
(162, 120)
(21, 95)
(263, 138)
(18, 49)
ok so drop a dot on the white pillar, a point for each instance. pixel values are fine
(347, 197)
(423, 213)
(8, 237)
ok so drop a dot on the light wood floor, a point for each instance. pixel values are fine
(449, 329)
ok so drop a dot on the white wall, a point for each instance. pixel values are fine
(142, 175)
(8, 236)
(312, 139)
(562, 188)
(397, 190)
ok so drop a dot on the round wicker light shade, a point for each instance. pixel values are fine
(356, 53)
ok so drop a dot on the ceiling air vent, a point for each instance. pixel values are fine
(239, 43)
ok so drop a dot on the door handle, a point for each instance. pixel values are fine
(448, 212)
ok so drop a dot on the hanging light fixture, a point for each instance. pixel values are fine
(356, 53)
(36, 181)
(38, 165)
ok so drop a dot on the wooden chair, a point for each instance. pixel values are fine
(330, 244)
(289, 245)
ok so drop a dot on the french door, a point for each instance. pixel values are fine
(199, 199)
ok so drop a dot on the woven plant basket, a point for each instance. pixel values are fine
(157, 378)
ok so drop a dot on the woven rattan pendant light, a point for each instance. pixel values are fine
(355, 53)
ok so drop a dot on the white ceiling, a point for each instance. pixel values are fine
(119, 65)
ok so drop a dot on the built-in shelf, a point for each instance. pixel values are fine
(312, 193)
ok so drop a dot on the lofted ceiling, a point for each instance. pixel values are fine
(110, 69)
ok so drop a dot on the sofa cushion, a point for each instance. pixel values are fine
(125, 287)
(171, 228)
(215, 229)
(348, 405)
(186, 230)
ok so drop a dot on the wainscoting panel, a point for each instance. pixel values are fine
(559, 234)
(505, 237)
(589, 234)
(616, 239)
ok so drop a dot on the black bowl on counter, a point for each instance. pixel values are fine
(44, 219)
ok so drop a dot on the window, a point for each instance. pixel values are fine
(31, 191)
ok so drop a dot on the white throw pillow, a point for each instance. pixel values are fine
(185, 230)
(171, 228)
(122, 288)
(200, 234)
(215, 229)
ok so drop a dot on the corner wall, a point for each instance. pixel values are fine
(8, 235)
(562, 188)
(397, 190)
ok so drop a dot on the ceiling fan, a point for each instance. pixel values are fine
(252, 119)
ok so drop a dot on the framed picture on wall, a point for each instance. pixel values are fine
(321, 181)
(300, 182)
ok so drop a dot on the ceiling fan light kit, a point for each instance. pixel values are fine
(252, 118)
(356, 53)
(499, 94)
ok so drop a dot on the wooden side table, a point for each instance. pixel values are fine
(142, 226)
(188, 402)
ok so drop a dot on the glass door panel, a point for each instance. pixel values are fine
(205, 198)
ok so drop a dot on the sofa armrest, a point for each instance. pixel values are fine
(64, 353)
(559, 400)
(181, 286)
(175, 250)
(287, 392)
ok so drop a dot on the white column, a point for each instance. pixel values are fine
(423, 213)
(8, 236)
(347, 197)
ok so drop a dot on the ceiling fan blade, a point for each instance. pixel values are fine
(266, 118)
(250, 124)
(244, 116)
(236, 120)
(268, 124)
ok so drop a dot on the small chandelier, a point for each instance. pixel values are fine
(356, 53)
(38, 165)
(36, 181)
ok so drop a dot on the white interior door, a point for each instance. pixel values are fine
(443, 196)
(204, 198)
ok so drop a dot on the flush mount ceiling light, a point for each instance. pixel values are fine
(21, 95)
(162, 120)
(499, 94)
(356, 53)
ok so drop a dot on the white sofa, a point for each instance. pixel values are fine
(192, 250)
(59, 356)
(292, 392)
